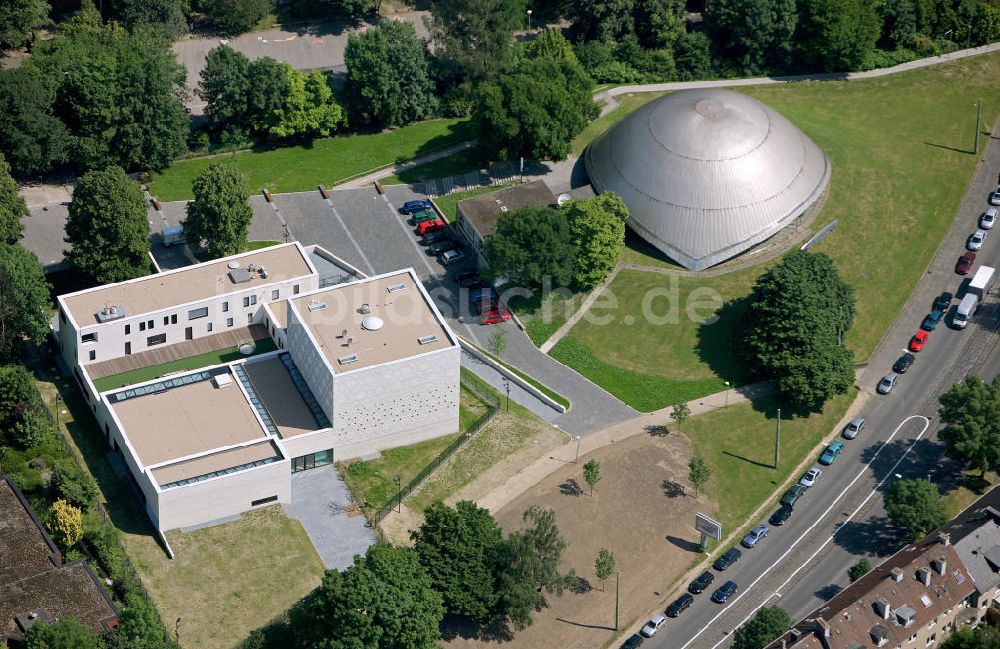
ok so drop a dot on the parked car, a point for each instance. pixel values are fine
(756, 534)
(496, 315)
(930, 323)
(731, 556)
(633, 641)
(918, 341)
(852, 429)
(943, 302)
(965, 263)
(699, 585)
(725, 592)
(903, 363)
(434, 237)
(988, 219)
(886, 384)
(420, 217)
(831, 452)
(680, 605)
(654, 625)
(452, 256)
(409, 207)
(811, 477)
(780, 515)
(995, 197)
(976, 240)
(441, 247)
(430, 226)
(467, 276)
(793, 494)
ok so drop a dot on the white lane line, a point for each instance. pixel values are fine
(819, 519)
(364, 258)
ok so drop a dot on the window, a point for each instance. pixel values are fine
(275, 294)
(158, 339)
(142, 326)
(166, 320)
(194, 314)
(249, 300)
(128, 329)
(225, 307)
(89, 338)
(93, 354)
(269, 499)
(149, 324)
(249, 318)
(295, 289)
(229, 322)
(173, 319)
(209, 327)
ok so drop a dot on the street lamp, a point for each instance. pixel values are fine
(177, 629)
(727, 394)
(58, 407)
(577, 450)
(529, 20)
(399, 504)
(506, 385)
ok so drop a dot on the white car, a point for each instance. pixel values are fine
(885, 385)
(451, 256)
(995, 197)
(988, 219)
(976, 240)
(811, 476)
(653, 626)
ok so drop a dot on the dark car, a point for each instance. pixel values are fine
(780, 515)
(965, 263)
(930, 323)
(425, 215)
(467, 277)
(724, 592)
(680, 605)
(409, 207)
(701, 583)
(633, 641)
(434, 237)
(441, 246)
(903, 363)
(943, 302)
(731, 556)
(793, 494)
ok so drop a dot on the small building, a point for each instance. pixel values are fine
(476, 217)
(35, 583)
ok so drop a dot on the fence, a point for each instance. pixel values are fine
(478, 387)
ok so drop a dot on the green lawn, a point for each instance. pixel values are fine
(900, 151)
(190, 363)
(628, 103)
(542, 317)
(469, 159)
(326, 160)
(448, 204)
(737, 442)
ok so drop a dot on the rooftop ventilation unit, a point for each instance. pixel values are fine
(427, 340)
(366, 308)
(262, 272)
(343, 333)
(372, 323)
(222, 380)
(240, 276)
(109, 313)
(233, 265)
(395, 288)
(563, 199)
(316, 305)
(350, 341)
(896, 574)
(347, 360)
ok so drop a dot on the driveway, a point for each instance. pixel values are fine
(319, 497)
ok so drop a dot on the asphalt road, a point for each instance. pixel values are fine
(804, 563)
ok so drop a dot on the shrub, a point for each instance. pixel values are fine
(74, 486)
(235, 16)
(33, 430)
(65, 523)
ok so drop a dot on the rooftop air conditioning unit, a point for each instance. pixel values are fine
(110, 312)
(347, 360)
(222, 380)
(316, 305)
(426, 340)
(395, 288)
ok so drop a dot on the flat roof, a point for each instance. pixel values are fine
(282, 399)
(398, 312)
(181, 421)
(189, 284)
(279, 310)
(208, 464)
(485, 210)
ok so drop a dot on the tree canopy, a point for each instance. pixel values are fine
(530, 245)
(309, 109)
(65, 633)
(165, 17)
(597, 229)
(767, 624)
(983, 636)
(971, 412)
(916, 506)
(475, 37)
(235, 16)
(389, 81)
(529, 564)
(24, 309)
(837, 35)
(756, 34)
(32, 138)
(793, 329)
(107, 227)
(19, 19)
(12, 206)
(225, 88)
(220, 213)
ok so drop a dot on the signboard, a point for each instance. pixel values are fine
(709, 528)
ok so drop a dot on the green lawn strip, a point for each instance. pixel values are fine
(549, 392)
(203, 256)
(470, 159)
(628, 103)
(448, 205)
(190, 363)
(970, 487)
(737, 442)
(324, 160)
(542, 316)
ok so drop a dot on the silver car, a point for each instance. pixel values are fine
(995, 197)
(976, 240)
(885, 385)
(653, 626)
(852, 429)
(811, 476)
(988, 219)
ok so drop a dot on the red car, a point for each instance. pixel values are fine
(965, 262)
(497, 315)
(430, 226)
(919, 340)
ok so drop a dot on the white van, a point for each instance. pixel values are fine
(965, 310)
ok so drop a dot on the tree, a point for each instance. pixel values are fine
(388, 75)
(474, 37)
(680, 413)
(32, 430)
(64, 633)
(659, 23)
(916, 506)
(971, 410)
(858, 570)
(767, 624)
(597, 228)
(536, 110)
(592, 473)
(269, 85)
(983, 636)
(692, 56)
(549, 44)
(794, 326)
(225, 88)
(530, 245)
(308, 110)
(107, 227)
(698, 473)
(604, 565)
(18, 394)
(384, 601)
(74, 486)
(139, 626)
(12, 207)
(899, 23)
(497, 342)
(24, 309)
(837, 35)
(755, 34)
(235, 16)
(65, 523)
(220, 213)
(18, 21)
(530, 563)
(459, 547)
(32, 139)
(600, 20)
(163, 16)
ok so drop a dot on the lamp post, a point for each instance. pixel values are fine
(399, 504)
(727, 394)
(177, 629)
(506, 385)
(577, 450)
(58, 407)
(529, 20)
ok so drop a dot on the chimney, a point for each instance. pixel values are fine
(940, 565)
(882, 608)
(896, 574)
(924, 576)
(944, 538)
(826, 627)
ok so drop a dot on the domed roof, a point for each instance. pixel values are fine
(708, 173)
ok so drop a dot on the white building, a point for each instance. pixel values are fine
(358, 366)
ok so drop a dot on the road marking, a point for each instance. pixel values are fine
(927, 423)
(364, 258)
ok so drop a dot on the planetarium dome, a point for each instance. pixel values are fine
(708, 173)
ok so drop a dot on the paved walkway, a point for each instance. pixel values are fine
(517, 393)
